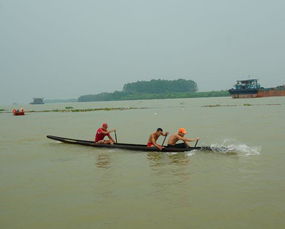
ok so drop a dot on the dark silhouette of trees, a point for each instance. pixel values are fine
(161, 86)
(154, 89)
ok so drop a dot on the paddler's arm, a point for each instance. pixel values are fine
(187, 139)
(191, 139)
(113, 130)
(165, 134)
(155, 144)
(110, 137)
(108, 132)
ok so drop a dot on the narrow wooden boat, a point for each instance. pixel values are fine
(136, 147)
(16, 113)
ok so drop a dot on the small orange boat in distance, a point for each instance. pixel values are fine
(18, 112)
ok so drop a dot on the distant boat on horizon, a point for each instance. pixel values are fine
(38, 101)
(18, 112)
(251, 89)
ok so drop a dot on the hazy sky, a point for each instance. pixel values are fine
(68, 48)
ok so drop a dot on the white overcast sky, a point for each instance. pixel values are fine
(68, 48)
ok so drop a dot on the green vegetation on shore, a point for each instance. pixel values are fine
(154, 89)
(124, 96)
(60, 100)
(71, 109)
(245, 105)
(160, 86)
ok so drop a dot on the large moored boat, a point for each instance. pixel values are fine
(37, 101)
(252, 89)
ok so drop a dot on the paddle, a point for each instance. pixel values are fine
(116, 136)
(164, 139)
(196, 143)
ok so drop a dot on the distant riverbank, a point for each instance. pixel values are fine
(154, 89)
(72, 109)
(118, 96)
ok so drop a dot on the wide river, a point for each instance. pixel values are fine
(48, 185)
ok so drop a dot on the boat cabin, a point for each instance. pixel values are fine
(247, 84)
(38, 101)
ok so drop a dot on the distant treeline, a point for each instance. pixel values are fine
(160, 86)
(154, 89)
(60, 100)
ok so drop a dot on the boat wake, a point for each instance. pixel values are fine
(229, 146)
(189, 153)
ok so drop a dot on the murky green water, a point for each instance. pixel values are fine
(45, 184)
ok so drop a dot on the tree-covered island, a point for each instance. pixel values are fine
(154, 89)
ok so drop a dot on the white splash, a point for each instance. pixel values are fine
(188, 153)
(228, 147)
(57, 142)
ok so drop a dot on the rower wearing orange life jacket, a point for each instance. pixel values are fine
(153, 138)
(102, 132)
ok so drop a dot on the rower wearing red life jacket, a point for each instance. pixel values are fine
(102, 133)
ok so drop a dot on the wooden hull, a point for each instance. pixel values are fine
(271, 92)
(243, 96)
(18, 113)
(260, 93)
(135, 147)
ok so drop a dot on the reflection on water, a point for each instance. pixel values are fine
(179, 158)
(169, 171)
(159, 159)
(103, 161)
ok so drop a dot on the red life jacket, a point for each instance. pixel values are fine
(100, 135)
